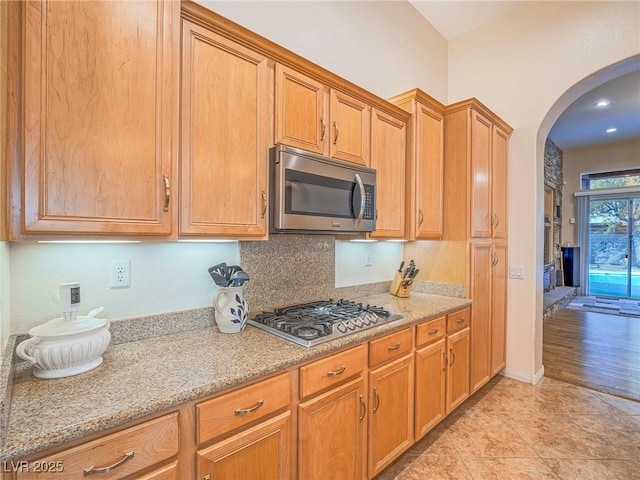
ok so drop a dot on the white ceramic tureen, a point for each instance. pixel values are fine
(62, 347)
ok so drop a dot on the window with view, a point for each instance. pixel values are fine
(619, 178)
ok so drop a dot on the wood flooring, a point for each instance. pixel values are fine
(594, 350)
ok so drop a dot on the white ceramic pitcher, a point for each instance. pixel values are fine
(231, 309)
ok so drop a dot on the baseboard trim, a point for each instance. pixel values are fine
(523, 377)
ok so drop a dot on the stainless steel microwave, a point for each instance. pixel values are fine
(311, 193)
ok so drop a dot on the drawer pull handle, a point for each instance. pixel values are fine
(324, 128)
(446, 361)
(337, 133)
(264, 204)
(93, 470)
(460, 320)
(335, 373)
(363, 408)
(246, 411)
(433, 332)
(453, 357)
(376, 406)
(167, 193)
(393, 347)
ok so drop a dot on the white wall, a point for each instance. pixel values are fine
(164, 277)
(611, 156)
(351, 258)
(385, 47)
(519, 65)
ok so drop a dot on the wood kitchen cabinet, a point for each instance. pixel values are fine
(431, 374)
(320, 119)
(391, 418)
(391, 386)
(457, 368)
(332, 433)
(458, 339)
(488, 336)
(99, 98)
(425, 154)
(263, 451)
(260, 445)
(225, 113)
(332, 417)
(388, 155)
(118, 455)
(478, 139)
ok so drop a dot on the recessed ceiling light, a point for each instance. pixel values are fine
(603, 103)
(611, 130)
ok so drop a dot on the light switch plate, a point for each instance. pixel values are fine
(516, 271)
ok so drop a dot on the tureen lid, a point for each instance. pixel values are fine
(59, 326)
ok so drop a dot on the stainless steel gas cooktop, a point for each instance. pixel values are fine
(316, 322)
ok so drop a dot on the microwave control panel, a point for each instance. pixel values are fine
(369, 205)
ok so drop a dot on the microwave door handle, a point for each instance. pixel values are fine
(363, 198)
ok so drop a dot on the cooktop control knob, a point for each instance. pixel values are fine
(342, 328)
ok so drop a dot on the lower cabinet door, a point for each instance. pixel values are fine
(391, 418)
(168, 472)
(458, 368)
(263, 452)
(331, 433)
(431, 373)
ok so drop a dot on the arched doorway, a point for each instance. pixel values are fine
(586, 85)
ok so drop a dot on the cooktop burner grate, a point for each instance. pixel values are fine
(311, 323)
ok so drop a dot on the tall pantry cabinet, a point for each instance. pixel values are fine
(475, 188)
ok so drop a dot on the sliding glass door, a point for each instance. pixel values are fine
(614, 247)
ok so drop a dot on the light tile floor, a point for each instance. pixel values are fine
(514, 431)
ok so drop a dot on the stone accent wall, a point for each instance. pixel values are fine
(553, 179)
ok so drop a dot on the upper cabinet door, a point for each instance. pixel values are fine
(428, 170)
(481, 218)
(300, 118)
(225, 136)
(100, 116)
(499, 182)
(388, 155)
(350, 128)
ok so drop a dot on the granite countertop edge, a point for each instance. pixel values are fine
(19, 444)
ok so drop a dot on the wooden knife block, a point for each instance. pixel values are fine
(397, 289)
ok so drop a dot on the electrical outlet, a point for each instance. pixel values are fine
(367, 257)
(119, 273)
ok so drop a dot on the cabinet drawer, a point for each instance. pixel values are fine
(126, 452)
(458, 320)
(390, 347)
(232, 410)
(429, 331)
(329, 371)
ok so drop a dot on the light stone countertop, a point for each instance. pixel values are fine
(148, 376)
